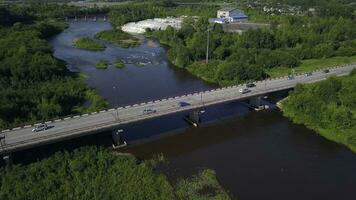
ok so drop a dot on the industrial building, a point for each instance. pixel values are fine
(230, 15)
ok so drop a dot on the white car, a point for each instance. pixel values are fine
(244, 90)
(40, 127)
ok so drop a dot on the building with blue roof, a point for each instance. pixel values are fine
(231, 14)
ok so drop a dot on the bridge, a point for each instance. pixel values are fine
(20, 138)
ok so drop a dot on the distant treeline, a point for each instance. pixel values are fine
(238, 58)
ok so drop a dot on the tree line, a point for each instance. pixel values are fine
(239, 58)
(329, 107)
(98, 174)
(33, 84)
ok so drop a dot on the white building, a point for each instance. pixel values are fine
(231, 14)
(153, 24)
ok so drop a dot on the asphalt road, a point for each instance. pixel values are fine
(65, 128)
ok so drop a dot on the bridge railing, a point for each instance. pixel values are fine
(197, 92)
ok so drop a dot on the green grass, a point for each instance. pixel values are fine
(102, 64)
(311, 65)
(118, 37)
(88, 44)
(119, 64)
(204, 186)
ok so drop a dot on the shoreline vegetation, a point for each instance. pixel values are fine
(88, 44)
(119, 38)
(97, 173)
(102, 64)
(327, 107)
(119, 64)
(28, 58)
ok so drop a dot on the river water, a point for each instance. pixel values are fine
(256, 155)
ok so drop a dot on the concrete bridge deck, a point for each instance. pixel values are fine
(65, 128)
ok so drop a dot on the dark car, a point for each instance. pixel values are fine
(326, 71)
(250, 85)
(183, 104)
(149, 111)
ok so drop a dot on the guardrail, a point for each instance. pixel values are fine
(73, 116)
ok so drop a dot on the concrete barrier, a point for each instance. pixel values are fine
(102, 111)
(112, 109)
(67, 118)
(77, 116)
(48, 122)
(58, 120)
(27, 126)
(17, 128)
(6, 130)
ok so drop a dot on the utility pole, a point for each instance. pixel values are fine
(117, 111)
(207, 47)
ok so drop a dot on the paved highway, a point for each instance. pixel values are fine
(22, 137)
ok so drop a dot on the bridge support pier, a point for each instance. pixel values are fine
(256, 103)
(8, 160)
(118, 140)
(193, 117)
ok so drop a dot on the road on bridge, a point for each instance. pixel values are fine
(22, 137)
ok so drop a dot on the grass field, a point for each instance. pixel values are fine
(118, 37)
(102, 64)
(88, 44)
(311, 65)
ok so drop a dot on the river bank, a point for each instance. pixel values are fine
(327, 107)
(81, 174)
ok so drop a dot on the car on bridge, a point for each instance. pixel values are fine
(183, 104)
(308, 74)
(290, 77)
(326, 71)
(147, 111)
(250, 85)
(244, 90)
(40, 127)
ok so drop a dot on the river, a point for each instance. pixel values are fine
(256, 155)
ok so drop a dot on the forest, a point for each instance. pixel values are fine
(328, 107)
(98, 174)
(288, 41)
(34, 85)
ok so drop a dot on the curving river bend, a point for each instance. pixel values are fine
(255, 155)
